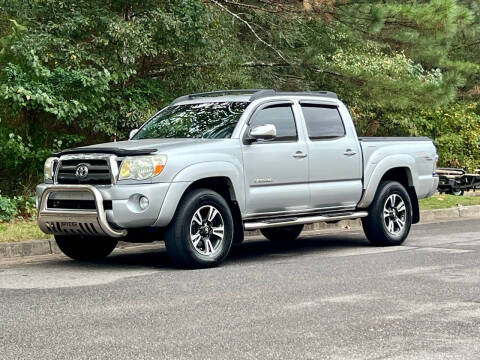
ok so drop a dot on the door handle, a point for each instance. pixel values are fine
(299, 155)
(349, 152)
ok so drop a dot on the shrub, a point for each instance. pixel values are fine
(17, 207)
(454, 128)
(22, 157)
(8, 210)
(26, 208)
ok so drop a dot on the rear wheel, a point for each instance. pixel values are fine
(81, 247)
(389, 216)
(282, 234)
(201, 232)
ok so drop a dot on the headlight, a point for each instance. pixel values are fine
(142, 167)
(48, 169)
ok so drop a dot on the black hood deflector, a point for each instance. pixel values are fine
(105, 150)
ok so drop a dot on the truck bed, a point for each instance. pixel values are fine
(393, 138)
(415, 153)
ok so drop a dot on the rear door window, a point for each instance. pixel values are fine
(323, 121)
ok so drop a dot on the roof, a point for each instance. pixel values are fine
(247, 95)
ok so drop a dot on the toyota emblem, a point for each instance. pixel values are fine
(81, 171)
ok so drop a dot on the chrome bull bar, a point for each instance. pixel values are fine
(70, 222)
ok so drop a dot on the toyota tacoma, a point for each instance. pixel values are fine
(209, 166)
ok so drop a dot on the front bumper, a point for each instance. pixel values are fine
(124, 213)
(66, 221)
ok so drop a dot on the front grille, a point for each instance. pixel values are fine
(98, 172)
(77, 204)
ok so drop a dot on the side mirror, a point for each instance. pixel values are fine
(132, 133)
(263, 132)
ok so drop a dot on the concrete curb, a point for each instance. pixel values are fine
(455, 212)
(472, 193)
(48, 246)
(28, 248)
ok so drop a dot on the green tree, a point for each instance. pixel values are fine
(86, 71)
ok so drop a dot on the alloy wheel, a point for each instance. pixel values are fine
(207, 230)
(394, 214)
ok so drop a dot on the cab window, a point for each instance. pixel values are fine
(280, 115)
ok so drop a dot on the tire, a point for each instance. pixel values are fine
(383, 225)
(193, 238)
(282, 234)
(457, 192)
(80, 247)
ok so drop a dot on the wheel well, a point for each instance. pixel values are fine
(224, 186)
(220, 184)
(404, 177)
(401, 175)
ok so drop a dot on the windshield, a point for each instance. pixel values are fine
(212, 120)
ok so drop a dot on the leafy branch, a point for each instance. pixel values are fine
(252, 30)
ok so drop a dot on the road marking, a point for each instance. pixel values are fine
(469, 243)
(67, 274)
(342, 299)
(422, 270)
(444, 250)
(368, 251)
(439, 239)
(339, 252)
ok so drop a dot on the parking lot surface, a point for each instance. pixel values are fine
(325, 296)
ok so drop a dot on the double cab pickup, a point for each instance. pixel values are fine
(209, 166)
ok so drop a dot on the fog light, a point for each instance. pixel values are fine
(143, 202)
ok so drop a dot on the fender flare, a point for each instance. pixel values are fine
(193, 173)
(381, 168)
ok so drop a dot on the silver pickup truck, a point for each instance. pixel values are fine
(209, 166)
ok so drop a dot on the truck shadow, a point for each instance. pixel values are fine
(270, 250)
(252, 250)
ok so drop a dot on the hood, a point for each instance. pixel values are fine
(136, 147)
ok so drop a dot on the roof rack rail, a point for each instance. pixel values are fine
(218, 93)
(265, 93)
(255, 94)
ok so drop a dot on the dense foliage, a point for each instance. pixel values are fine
(84, 71)
(22, 207)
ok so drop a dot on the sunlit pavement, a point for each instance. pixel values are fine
(324, 296)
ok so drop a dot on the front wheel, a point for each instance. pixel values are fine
(201, 232)
(282, 234)
(81, 247)
(389, 216)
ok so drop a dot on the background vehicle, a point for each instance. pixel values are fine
(212, 165)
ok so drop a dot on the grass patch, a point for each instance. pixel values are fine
(443, 201)
(21, 230)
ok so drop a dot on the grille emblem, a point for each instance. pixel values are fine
(81, 171)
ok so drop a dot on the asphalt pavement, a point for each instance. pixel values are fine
(325, 296)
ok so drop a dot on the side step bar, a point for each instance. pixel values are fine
(271, 223)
